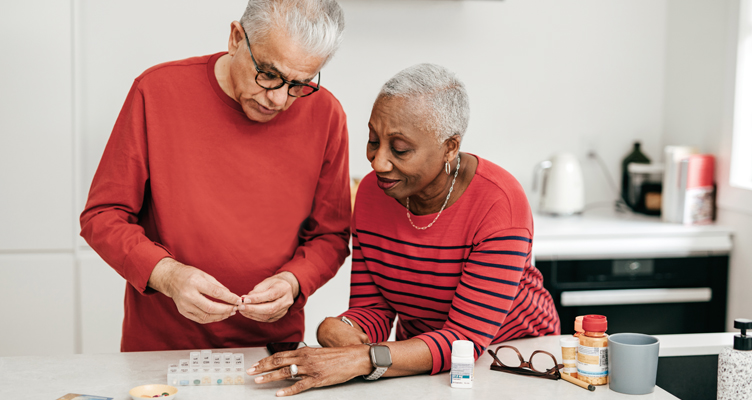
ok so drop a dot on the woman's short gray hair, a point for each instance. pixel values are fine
(439, 91)
(315, 25)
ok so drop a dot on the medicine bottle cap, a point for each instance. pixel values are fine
(594, 323)
(578, 324)
(743, 341)
(462, 348)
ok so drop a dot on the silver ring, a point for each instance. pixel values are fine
(293, 370)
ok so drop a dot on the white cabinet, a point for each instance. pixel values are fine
(102, 291)
(37, 293)
(36, 140)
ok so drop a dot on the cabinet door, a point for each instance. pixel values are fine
(102, 293)
(36, 134)
(37, 294)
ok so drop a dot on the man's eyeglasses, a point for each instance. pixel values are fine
(271, 81)
(509, 359)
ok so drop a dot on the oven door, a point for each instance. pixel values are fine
(652, 296)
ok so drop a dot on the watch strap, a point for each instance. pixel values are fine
(376, 374)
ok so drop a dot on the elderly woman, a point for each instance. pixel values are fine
(441, 239)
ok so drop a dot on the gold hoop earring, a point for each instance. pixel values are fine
(447, 168)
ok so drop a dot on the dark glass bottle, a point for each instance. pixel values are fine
(635, 156)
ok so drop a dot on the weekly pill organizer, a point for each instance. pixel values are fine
(206, 368)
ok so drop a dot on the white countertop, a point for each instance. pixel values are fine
(694, 344)
(605, 233)
(113, 375)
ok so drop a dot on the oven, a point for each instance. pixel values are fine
(645, 295)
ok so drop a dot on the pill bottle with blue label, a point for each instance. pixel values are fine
(463, 364)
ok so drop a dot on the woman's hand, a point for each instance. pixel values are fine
(333, 332)
(316, 366)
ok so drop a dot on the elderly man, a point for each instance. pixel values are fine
(223, 192)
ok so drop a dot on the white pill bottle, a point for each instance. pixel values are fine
(463, 364)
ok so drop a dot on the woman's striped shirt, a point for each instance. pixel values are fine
(468, 277)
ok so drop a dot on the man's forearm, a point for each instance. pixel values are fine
(290, 278)
(160, 277)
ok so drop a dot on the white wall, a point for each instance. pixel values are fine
(543, 76)
(734, 204)
(697, 60)
(700, 71)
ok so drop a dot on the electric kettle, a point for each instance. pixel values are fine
(562, 190)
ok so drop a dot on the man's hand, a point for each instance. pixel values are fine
(270, 299)
(189, 288)
(333, 332)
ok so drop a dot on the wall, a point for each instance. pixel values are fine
(697, 57)
(735, 204)
(700, 79)
(543, 76)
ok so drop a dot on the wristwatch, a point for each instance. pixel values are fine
(381, 358)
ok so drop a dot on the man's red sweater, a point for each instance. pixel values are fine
(187, 175)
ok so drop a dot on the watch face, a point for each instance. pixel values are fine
(381, 357)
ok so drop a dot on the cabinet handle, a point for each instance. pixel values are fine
(635, 296)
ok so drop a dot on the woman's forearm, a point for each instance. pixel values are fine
(333, 332)
(409, 357)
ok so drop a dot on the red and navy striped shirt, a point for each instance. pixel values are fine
(468, 277)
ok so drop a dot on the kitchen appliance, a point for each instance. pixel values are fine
(644, 186)
(655, 296)
(562, 189)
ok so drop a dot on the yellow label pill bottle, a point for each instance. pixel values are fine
(592, 353)
(569, 346)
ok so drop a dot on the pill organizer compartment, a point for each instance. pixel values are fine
(206, 368)
(173, 375)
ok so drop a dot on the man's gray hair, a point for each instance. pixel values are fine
(315, 25)
(439, 92)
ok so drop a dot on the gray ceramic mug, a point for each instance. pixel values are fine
(632, 363)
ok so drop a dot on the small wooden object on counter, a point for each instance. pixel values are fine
(578, 382)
